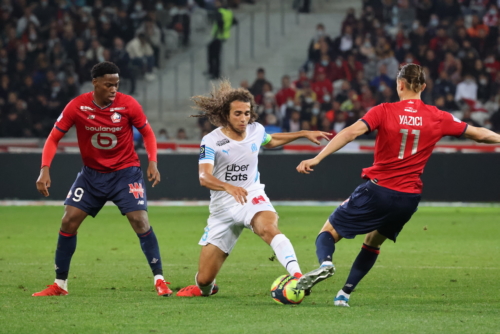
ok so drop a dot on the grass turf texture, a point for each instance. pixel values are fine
(441, 276)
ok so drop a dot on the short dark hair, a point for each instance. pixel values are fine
(261, 70)
(103, 68)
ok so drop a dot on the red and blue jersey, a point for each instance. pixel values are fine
(407, 133)
(105, 135)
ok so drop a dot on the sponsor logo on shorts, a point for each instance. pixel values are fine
(258, 199)
(103, 128)
(223, 142)
(140, 203)
(136, 190)
(69, 194)
(116, 118)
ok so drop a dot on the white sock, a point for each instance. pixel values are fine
(285, 253)
(63, 283)
(205, 290)
(342, 293)
(157, 277)
(327, 263)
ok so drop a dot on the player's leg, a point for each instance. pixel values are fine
(83, 199)
(325, 247)
(211, 260)
(361, 266)
(265, 225)
(149, 245)
(218, 240)
(66, 246)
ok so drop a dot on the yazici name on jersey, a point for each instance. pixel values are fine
(230, 176)
(410, 120)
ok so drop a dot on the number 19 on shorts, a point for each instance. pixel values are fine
(416, 134)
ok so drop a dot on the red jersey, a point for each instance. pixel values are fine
(105, 134)
(407, 133)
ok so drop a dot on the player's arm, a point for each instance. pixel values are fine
(48, 153)
(208, 180)
(344, 137)
(279, 139)
(64, 122)
(482, 135)
(151, 148)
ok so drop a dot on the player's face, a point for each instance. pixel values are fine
(239, 116)
(105, 87)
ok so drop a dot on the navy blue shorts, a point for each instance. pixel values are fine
(371, 207)
(92, 189)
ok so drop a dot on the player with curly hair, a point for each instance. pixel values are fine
(228, 166)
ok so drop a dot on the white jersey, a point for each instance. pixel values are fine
(235, 162)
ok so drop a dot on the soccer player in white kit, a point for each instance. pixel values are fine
(228, 166)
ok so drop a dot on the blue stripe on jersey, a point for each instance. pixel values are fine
(58, 128)
(256, 176)
(209, 159)
(209, 150)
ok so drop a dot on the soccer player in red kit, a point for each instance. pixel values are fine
(103, 119)
(407, 133)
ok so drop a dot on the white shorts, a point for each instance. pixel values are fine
(225, 226)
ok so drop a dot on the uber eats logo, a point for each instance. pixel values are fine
(233, 172)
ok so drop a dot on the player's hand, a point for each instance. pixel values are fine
(239, 193)
(43, 181)
(306, 166)
(153, 173)
(314, 135)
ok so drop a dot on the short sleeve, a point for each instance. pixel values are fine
(207, 151)
(136, 114)
(373, 118)
(452, 126)
(66, 120)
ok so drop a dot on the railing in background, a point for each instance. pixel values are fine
(184, 78)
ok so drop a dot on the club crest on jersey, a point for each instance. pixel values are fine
(254, 147)
(136, 190)
(116, 118)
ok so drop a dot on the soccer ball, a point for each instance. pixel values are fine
(284, 290)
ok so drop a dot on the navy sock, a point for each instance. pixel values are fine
(361, 266)
(66, 245)
(149, 246)
(325, 246)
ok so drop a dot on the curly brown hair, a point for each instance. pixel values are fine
(217, 105)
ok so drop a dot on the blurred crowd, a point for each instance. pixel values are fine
(48, 47)
(457, 43)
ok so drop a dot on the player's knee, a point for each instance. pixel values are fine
(139, 224)
(69, 224)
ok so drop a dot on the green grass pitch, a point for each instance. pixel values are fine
(442, 276)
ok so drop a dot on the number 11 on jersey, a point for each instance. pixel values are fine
(414, 149)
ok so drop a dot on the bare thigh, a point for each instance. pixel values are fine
(265, 225)
(72, 219)
(211, 260)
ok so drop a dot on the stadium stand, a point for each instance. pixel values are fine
(344, 76)
(48, 47)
